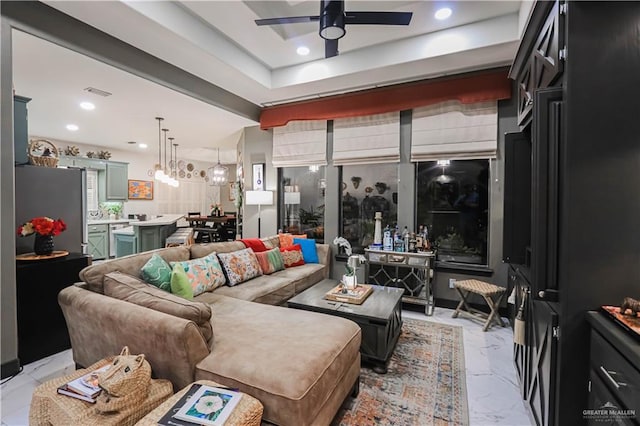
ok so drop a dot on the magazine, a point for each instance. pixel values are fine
(169, 420)
(209, 406)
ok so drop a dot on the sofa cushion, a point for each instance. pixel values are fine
(240, 266)
(309, 252)
(201, 250)
(131, 289)
(255, 244)
(270, 261)
(286, 240)
(263, 289)
(204, 274)
(180, 284)
(93, 275)
(302, 357)
(292, 255)
(303, 277)
(157, 272)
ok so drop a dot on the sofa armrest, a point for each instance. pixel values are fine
(99, 326)
(324, 257)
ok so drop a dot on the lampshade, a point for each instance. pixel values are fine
(258, 198)
(292, 198)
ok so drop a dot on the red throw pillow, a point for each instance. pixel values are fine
(292, 255)
(255, 244)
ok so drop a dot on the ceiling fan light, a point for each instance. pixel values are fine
(331, 19)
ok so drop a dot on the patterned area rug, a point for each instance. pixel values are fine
(425, 383)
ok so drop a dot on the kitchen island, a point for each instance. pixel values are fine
(145, 235)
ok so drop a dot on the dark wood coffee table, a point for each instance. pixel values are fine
(379, 318)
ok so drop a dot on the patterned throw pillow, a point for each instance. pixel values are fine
(309, 251)
(180, 285)
(286, 240)
(240, 265)
(292, 255)
(157, 272)
(270, 261)
(205, 273)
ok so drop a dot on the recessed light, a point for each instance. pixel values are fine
(72, 127)
(442, 13)
(142, 145)
(87, 105)
(303, 51)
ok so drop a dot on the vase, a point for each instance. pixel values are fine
(43, 244)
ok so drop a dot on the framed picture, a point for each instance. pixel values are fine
(232, 191)
(258, 177)
(140, 189)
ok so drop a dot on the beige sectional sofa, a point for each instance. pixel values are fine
(300, 365)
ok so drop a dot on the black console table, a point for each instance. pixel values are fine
(42, 330)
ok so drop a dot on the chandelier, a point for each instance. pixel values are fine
(218, 174)
(159, 175)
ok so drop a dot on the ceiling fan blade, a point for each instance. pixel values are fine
(330, 48)
(289, 20)
(378, 18)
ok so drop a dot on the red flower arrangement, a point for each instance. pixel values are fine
(43, 226)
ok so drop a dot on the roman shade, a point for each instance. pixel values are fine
(367, 140)
(300, 143)
(453, 130)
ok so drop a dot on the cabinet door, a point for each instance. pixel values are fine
(98, 241)
(545, 206)
(548, 63)
(543, 355)
(116, 184)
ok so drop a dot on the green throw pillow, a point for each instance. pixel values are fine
(157, 272)
(180, 285)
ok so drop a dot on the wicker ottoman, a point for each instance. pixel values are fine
(50, 408)
(248, 412)
(492, 294)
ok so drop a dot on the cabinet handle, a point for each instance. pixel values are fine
(613, 381)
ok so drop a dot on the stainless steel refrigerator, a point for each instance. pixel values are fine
(56, 193)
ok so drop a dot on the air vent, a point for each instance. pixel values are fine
(98, 91)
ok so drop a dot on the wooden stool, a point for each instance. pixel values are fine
(488, 292)
(182, 237)
(248, 412)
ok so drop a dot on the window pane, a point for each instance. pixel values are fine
(453, 201)
(367, 189)
(302, 205)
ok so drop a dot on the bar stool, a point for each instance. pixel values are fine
(492, 294)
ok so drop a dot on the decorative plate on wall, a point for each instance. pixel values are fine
(182, 165)
(150, 172)
(203, 174)
(190, 167)
(182, 174)
(188, 175)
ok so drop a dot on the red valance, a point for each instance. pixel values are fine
(467, 88)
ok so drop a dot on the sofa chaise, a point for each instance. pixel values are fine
(301, 365)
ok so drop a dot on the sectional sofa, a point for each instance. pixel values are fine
(300, 365)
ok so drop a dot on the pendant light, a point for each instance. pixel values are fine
(165, 178)
(174, 173)
(158, 167)
(218, 174)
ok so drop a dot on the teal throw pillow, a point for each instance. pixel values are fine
(157, 272)
(309, 251)
(180, 285)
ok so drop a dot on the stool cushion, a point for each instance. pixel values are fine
(480, 287)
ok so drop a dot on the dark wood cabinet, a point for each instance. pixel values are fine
(42, 330)
(582, 118)
(517, 198)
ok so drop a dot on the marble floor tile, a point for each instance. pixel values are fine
(492, 387)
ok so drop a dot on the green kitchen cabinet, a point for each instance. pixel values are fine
(116, 178)
(99, 241)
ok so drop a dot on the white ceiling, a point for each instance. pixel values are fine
(219, 42)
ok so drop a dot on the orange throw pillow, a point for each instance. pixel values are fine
(286, 240)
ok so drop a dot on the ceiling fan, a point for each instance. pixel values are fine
(333, 19)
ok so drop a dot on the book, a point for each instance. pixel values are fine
(88, 384)
(169, 420)
(208, 405)
(65, 390)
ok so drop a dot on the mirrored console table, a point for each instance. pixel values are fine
(411, 271)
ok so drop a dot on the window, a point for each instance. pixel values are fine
(453, 201)
(367, 189)
(92, 191)
(302, 204)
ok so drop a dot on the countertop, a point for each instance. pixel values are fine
(165, 219)
(107, 221)
(124, 231)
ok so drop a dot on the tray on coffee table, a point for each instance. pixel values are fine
(356, 296)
